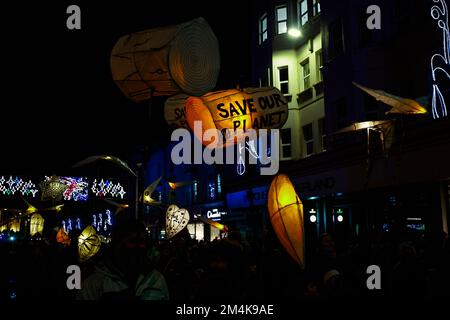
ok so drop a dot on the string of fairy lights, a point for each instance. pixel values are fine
(76, 188)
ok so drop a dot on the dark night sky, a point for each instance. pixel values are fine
(59, 103)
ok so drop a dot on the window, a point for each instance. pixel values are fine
(336, 38)
(286, 150)
(306, 72)
(322, 133)
(319, 64)
(308, 137)
(303, 12)
(283, 73)
(281, 16)
(263, 29)
(316, 7)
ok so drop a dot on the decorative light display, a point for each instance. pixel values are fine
(212, 190)
(101, 222)
(212, 223)
(36, 224)
(107, 188)
(69, 225)
(440, 62)
(63, 224)
(52, 189)
(176, 220)
(77, 189)
(88, 243)
(250, 147)
(17, 185)
(78, 224)
(286, 215)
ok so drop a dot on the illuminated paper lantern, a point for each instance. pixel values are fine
(167, 61)
(286, 215)
(174, 111)
(36, 224)
(213, 223)
(397, 104)
(52, 189)
(176, 220)
(62, 237)
(88, 243)
(251, 108)
(15, 225)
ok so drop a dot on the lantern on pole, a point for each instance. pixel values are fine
(176, 220)
(88, 243)
(286, 215)
(251, 108)
(36, 224)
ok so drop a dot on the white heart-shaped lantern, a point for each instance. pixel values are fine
(176, 220)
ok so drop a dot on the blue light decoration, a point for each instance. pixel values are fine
(219, 185)
(250, 147)
(106, 188)
(100, 222)
(63, 223)
(69, 225)
(212, 191)
(78, 224)
(94, 221)
(77, 189)
(440, 62)
(17, 185)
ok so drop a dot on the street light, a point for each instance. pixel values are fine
(294, 33)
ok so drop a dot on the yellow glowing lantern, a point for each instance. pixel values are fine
(166, 61)
(251, 108)
(176, 220)
(286, 216)
(36, 224)
(213, 223)
(174, 111)
(15, 225)
(62, 237)
(88, 243)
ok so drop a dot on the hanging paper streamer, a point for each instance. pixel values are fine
(88, 243)
(286, 215)
(176, 220)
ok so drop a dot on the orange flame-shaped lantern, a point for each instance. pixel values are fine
(286, 216)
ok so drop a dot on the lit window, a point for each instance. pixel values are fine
(308, 137)
(316, 7)
(306, 74)
(303, 12)
(322, 133)
(283, 73)
(263, 29)
(319, 63)
(286, 150)
(281, 14)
